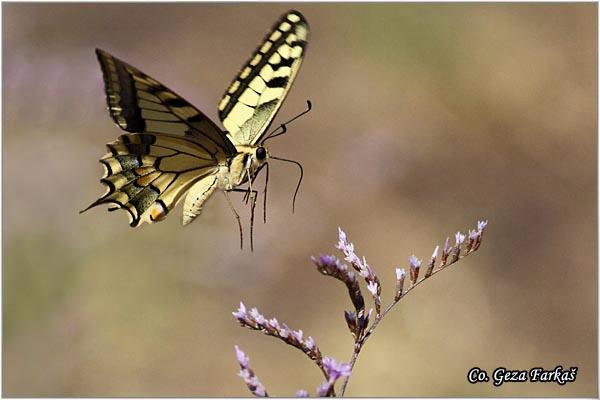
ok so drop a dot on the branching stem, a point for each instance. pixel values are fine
(360, 342)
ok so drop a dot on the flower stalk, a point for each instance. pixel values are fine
(357, 320)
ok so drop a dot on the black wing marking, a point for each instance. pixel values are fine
(140, 104)
(147, 174)
(255, 95)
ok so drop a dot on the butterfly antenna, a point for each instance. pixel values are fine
(299, 180)
(283, 126)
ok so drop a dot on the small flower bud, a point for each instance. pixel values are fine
(446, 252)
(414, 265)
(400, 275)
(431, 264)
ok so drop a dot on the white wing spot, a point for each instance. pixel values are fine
(291, 38)
(257, 84)
(223, 102)
(240, 114)
(270, 94)
(293, 18)
(249, 97)
(282, 72)
(296, 52)
(265, 47)
(274, 36)
(285, 26)
(234, 86)
(255, 60)
(266, 72)
(245, 73)
(231, 126)
(284, 50)
(275, 59)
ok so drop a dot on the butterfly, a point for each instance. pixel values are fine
(173, 150)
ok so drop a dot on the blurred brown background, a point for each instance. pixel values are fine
(426, 118)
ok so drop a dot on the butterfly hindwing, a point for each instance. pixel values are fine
(147, 174)
(255, 95)
(140, 104)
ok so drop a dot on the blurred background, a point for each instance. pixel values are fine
(426, 118)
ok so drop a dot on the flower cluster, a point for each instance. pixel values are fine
(364, 269)
(330, 266)
(357, 320)
(458, 251)
(248, 376)
(272, 327)
(335, 371)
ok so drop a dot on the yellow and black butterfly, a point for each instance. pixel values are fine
(172, 148)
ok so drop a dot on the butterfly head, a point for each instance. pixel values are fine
(259, 158)
(261, 154)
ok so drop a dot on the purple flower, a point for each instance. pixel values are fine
(342, 243)
(400, 274)
(260, 390)
(414, 265)
(481, 225)
(325, 261)
(460, 238)
(258, 317)
(273, 323)
(372, 286)
(414, 262)
(435, 253)
(298, 335)
(255, 386)
(336, 370)
(241, 312)
(323, 390)
(242, 358)
(473, 234)
(350, 274)
(342, 235)
(301, 393)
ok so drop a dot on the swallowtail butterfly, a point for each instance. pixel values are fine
(173, 150)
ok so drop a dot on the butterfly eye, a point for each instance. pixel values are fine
(261, 153)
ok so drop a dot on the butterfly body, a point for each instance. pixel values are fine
(173, 151)
(242, 166)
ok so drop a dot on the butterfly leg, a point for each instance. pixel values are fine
(252, 195)
(265, 194)
(237, 217)
(248, 190)
(253, 204)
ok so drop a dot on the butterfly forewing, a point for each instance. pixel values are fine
(140, 104)
(255, 95)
